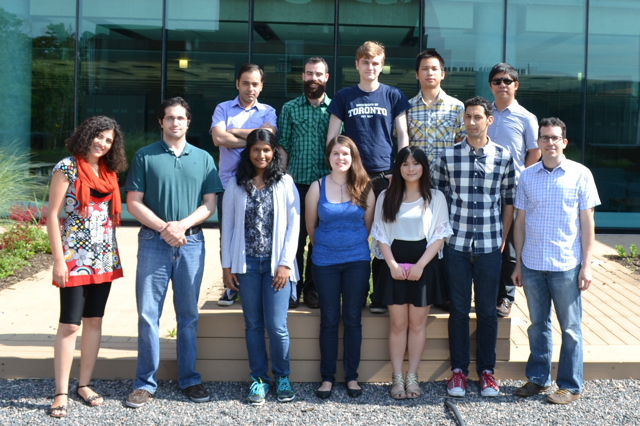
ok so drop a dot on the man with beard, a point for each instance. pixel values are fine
(303, 125)
(231, 123)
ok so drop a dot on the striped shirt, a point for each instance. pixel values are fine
(303, 135)
(436, 128)
(552, 202)
(476, 186)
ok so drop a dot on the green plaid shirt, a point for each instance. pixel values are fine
(436, 128)
(302, 133)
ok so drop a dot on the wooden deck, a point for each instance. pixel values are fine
(29, 311)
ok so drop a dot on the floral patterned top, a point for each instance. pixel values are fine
(89, 243)
(258, 222)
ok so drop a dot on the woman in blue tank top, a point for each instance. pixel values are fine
(339, 213)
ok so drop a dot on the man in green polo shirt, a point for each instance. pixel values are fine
(303, 125)
(171, 190)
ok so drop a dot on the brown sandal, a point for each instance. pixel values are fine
(61, 408)
(88, 401)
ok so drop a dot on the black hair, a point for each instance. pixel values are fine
(80, 141)
(246, 171)
(250, 68)
(317, 60)
(479, 100)
(426, 54)
(395, 193)
(505, 68)
(173, 102)
(553, 122)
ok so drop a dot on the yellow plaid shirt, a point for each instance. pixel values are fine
(433, 129)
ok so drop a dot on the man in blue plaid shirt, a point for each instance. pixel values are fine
(553, 263)
(478, 178)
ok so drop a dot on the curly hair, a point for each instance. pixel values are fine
(395, 193)
(79, 143)
(246, 171)
(358, 184)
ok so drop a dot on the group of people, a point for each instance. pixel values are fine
(435, 209)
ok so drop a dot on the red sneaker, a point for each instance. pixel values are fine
(457, 383)
(488, 385)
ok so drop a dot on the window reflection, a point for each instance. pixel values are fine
(612, 136)
(120, 68)
(285, 34)
(545, 43)
(205, 47)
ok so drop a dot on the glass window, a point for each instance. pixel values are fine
(37, 51)
(392, 23)
(612, 132)
(468, 35)
(285, 34)
(120, 65)
(207, 42)
(545, 43)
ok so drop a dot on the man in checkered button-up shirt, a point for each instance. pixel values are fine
(478, 178)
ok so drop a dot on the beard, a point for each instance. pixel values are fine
(312, 93)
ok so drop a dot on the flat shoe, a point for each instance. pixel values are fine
(324, 394)
(61, 408)
(88, 401)
(354, 393)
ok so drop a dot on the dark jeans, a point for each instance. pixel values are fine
(378, 183)
(506, 289)
(351, 281)
(461, 268)
(306, 278)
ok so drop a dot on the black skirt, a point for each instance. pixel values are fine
(428, 290)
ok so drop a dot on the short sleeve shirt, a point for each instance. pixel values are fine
(552, 202)
(516, 129)
(173, 186)
(368, 119)
(436, 128)
(231, 115)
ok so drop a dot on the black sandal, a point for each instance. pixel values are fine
(61, 408)
(89, 400)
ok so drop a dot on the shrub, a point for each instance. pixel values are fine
(19, 244)
(621, 253)
(633, 250)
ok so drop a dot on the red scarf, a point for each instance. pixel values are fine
(106, 183)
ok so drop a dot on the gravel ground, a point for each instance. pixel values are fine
(606, 402)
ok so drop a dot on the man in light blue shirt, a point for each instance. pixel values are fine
(553, 236)
(232, 121)
(515, 129)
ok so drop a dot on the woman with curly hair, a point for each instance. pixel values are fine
(260, 229)
(410, 224)
(85, 252)
(339, 212)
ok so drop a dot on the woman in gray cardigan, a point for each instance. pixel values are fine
(260, 229)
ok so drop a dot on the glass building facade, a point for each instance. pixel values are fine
(579, 60)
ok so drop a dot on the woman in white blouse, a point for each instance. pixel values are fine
(410, 224)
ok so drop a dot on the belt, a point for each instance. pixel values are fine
(191, 231)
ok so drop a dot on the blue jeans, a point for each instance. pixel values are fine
(263, 307)
(542, 287)
(351, 280)
(158, 263)
(461, 268)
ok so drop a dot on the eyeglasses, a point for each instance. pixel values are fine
(553, 139)
(506, 81)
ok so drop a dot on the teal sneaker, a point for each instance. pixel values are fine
(257, 392)
(284, 391)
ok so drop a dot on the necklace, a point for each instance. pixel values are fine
(336, 183)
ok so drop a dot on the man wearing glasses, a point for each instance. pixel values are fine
(554, 262)
(515, 129)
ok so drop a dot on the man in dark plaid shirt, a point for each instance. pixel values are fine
(303, 125)
(478, 178)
